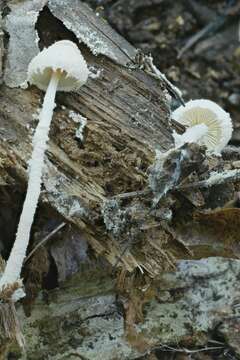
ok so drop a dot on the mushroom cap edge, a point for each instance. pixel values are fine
(65, 56)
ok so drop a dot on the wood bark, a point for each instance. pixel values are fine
(99, 312)
(127, 120)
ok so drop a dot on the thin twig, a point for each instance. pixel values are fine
(145, 62)
(44, 240)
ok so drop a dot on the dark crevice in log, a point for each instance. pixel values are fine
(50, 29)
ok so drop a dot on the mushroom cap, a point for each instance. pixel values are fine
(207, 112)
(64, 57)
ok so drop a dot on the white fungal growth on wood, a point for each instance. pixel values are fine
(94, 72)
(163, 178)
(24, 85)
(217, 130)
(56, 186)
(35, 115)
(81, 120)
(217, 178)
(76, 209)
(50, 70)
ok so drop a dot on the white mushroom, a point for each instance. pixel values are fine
(207, 124)
(59, 67)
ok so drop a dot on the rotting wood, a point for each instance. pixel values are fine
(127, 119)
(182, 308)
(92, 31)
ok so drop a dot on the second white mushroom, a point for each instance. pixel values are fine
(207, 124)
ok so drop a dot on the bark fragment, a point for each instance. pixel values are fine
(21, 49)
(185, 305)
(92, 31)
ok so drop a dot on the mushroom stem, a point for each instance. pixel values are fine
(14, 264)
(192, 134)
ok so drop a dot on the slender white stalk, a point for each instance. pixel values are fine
(192, 134)
(14, 264)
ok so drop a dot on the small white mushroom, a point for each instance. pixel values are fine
(207, 124)
(59, 67)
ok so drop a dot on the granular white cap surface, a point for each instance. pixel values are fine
(63, 56)
(218, 121)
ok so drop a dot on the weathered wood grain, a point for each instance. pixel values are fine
(127, 120)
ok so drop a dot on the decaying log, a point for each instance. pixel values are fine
(83, 320)
(103, 141)
(127, 119)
